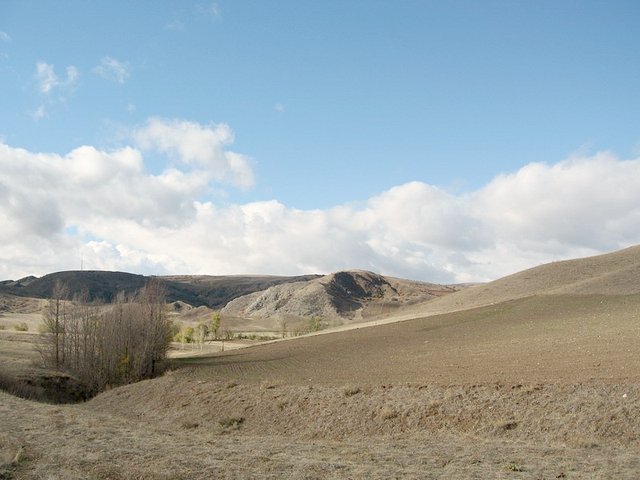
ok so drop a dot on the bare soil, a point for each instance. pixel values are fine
(565, 338)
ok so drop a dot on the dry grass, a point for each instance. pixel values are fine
(616, 273)
(95, 441)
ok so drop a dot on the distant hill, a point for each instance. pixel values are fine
(210, 291)
(349, 296)
(616, 273)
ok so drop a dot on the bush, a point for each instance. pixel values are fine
(44, 328)
(315, 324)
(350, 391)
(231, 422)
(21, 327)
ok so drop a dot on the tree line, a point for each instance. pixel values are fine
(109, 345)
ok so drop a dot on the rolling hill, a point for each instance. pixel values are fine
(203, 290)
(616, 273)
(347, 296)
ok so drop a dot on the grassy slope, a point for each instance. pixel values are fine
(616, 273)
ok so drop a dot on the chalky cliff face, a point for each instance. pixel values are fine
(347, 296)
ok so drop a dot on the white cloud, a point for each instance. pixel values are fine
(279, 108)
(203, 147)
(113, 70)
(39, 113)
(4, 37)
(48, 80)
(211, 10)
(133, 220)
(176, 25)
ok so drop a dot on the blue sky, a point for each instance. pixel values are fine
(327, 106)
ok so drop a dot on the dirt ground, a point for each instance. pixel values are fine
(564, 338)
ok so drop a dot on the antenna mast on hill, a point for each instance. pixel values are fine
(81, 262)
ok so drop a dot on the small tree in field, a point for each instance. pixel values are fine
(315, 324)
(54, 323)
(214, 324)
(283, 323)
(185, 335)
(201, 333)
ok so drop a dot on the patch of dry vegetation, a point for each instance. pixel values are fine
(177, 428)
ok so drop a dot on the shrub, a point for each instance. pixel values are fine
(514, 467)
(44, 328)
(2, 326)
(388, 413)
(315, 324)
(21, 327)
(231, 422)
(349, 391)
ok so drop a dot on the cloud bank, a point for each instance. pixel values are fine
(108, 208)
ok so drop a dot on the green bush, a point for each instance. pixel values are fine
(21, 327)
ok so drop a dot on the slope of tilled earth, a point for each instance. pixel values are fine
(538, 339)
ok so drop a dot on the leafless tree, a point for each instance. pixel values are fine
(54, 320)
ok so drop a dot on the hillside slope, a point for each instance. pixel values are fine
(210, 291)
(616, 273)
(343, 296)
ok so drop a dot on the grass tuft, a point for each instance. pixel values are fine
(388, 414)
(232, 423)
(514, 467)
(507, 425)
(350, 391)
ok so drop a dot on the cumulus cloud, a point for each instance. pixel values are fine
(109, 207)
(113, 70)
(48, 80)
(202, 146)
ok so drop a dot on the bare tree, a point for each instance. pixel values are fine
(283, 323)
(55, 318)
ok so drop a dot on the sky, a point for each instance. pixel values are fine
(443, 141)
